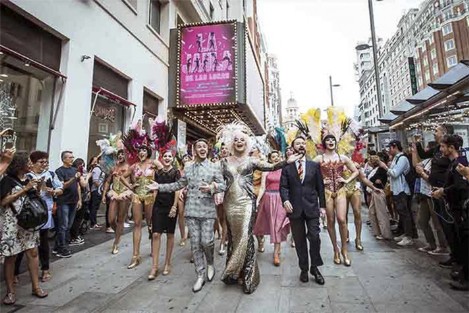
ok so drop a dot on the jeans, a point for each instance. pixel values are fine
(401, 203)
(65, 216)
(94, 206)
(79, 216)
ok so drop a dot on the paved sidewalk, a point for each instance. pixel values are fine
(382, 278)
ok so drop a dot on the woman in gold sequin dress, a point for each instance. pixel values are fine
(239, 203)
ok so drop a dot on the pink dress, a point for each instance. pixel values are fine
(271, 216)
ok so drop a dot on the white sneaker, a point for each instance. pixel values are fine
(109, 230)
(379, 237)
(399, 238)
(210, 272)
(126, 225)
(222, 250)
(199, 283)
(406, 241)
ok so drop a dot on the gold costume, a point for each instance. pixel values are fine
(142, 194)
(239, 204)
(351, 188)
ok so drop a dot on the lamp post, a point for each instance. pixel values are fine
(375, 55)
(331, 86)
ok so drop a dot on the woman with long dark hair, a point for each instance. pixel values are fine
(14, 239)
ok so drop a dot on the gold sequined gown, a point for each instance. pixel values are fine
(239, 205)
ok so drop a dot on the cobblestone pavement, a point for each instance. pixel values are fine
(382, 278)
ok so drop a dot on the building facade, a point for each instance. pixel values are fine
(446, 43)
(428, 42)
(274, 96)
(78, 71)
(291, 113)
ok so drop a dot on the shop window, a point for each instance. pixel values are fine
(155, 15)
(25, 106)
(108, 115)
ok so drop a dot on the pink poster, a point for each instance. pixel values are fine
(207, 65)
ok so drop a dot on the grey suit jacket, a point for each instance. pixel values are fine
(198, 204)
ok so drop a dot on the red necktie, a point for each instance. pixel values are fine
(300, 170)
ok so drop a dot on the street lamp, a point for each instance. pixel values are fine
(331, 86)
(375, 55)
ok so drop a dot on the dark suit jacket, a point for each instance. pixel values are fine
(305, 197)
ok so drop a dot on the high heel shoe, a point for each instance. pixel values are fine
(167, 270)
(182, 243)
(115, 249)
(134, 262)
(153, 273)
(337, 259)
(150, 233)
(347, 261)
(222, 249)
(358, 245)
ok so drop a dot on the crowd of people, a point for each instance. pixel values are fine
(241, 195)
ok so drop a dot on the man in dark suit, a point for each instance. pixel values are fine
(302, 193)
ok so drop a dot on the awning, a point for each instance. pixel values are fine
(453, 76)
(422, 96)
(100, 91)
(377, 129)
(401, 108)
(387, 118)
(27, 62)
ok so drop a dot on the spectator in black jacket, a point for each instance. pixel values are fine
(437, 178)
(455, 191)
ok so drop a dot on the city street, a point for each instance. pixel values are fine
(382, 278)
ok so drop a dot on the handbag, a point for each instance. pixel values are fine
(34, 214)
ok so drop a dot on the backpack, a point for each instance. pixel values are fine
(411, 175)
(34, 214)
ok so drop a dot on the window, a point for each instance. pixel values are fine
(433, 54)
(155, 15)
(425, 61)
(446, 29)
(449, 45)
(452, 61)
(150, 108)
(431, 40)
(435, 69)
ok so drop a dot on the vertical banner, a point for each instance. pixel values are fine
(207, 65)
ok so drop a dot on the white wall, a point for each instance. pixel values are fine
(93, 31)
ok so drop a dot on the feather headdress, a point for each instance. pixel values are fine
(135, 138)
(109, 147)
(226, 134)
(277, 139)
(161, 136)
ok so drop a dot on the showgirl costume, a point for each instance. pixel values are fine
(353, 187)
(119, 190)
(143, 178)
(331, 171)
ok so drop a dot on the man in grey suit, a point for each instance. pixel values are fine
(302, 193)
(203, 179)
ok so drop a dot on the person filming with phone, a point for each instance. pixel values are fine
(455, 193)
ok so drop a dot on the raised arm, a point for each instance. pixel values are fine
(261, 188)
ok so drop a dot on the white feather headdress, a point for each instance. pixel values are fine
(227, 133)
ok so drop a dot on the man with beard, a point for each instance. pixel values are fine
(454, 192)
(203, 179)
(302, 194)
